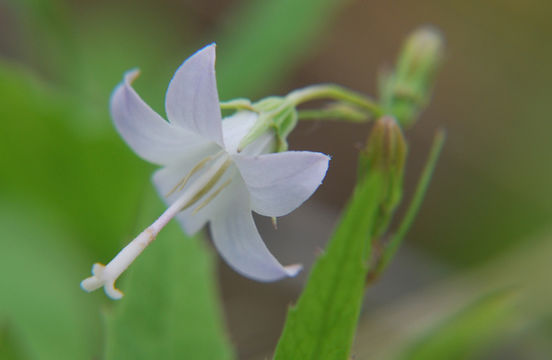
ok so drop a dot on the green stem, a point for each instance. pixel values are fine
(419, 194)
(336, 92)
(350, 115)
(237, 104)
(297, 97)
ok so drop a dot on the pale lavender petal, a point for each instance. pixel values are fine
(149, 135)
(192, 99)
(235, 127)
(278, 183)
(236, 238)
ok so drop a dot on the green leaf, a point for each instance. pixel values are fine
(47, 313)
(169, 309)
(10, 346)
(322, 324)
(467, 332)
(47, 36)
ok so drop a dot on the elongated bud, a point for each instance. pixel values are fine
(385, 156)
(386, 149)
(407, 89)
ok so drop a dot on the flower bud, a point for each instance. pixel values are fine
(385, 156)
(407, 89)
(386, 148)
(421, 54)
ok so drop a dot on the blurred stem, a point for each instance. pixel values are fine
(56, 45)
(349, 114)
(237, 104)
(396, 240)
(274, 111)
(336, 92)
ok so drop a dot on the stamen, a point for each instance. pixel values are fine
(212, 196)
(180, 185)
(208, 185)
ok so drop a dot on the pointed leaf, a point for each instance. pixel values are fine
(41, 301)
(322, 324)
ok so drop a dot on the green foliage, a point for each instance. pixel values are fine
(53, 51)
(46, 314)
(466, 333)
(10, 347)
(71, 173)
(322, 324)
(169, 310)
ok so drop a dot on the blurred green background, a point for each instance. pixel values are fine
(71, 192)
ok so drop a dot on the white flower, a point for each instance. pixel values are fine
(204, 178)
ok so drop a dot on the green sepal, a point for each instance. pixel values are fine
(275, 114)
(284, 124)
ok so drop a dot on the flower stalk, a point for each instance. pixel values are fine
(335, 92)
(390, 247)
(280, 113)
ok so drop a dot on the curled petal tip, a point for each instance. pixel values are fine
(293, 270)
(131, 75)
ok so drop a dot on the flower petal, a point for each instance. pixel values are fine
(235, 127)
(236, 238)
(192, 99)
(147, 133)
(279, 183)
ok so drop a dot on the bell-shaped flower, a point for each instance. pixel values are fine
(204, 178)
